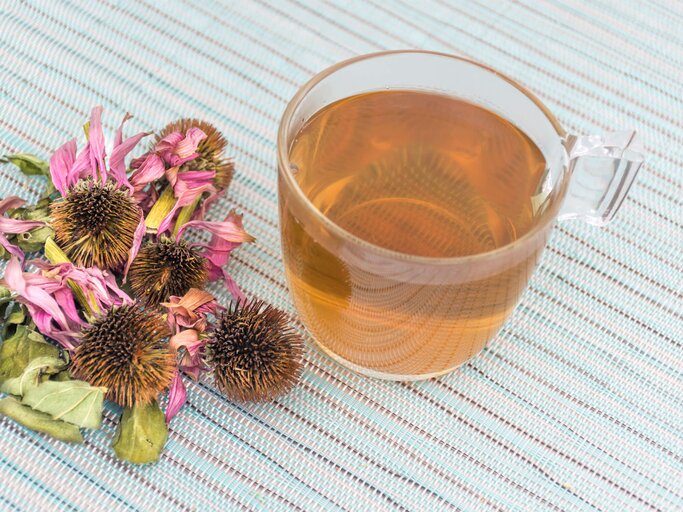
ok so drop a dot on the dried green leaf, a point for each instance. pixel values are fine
(32, 375)
(73, 401)
(61, 376)
(34, 240)
(23, 346)
(17, 315)
(141, 434)
(29, 164)
(39, 421)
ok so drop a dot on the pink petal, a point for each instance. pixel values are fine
(177, 396)
(9, 203)
(114, 289)
(200, 212)
(189, 144)
(15, 226)
(96, 140)
(150, 169)
(118, 136)
(188, 339)
(193, 180)
(186, 197)
(65, 299)
(61, 165)
(230, 230)
(117, 160)
(33, 295)
(12, 249)
(232, 287)
(169, 142)
(82, 167)
(137, 242)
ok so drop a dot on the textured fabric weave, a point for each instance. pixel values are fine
(576, 405)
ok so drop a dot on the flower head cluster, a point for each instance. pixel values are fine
(104, 226)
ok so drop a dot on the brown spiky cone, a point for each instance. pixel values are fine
(211, 151)
(126, 352)
(254, 353)
(165, 268)
(95, 224)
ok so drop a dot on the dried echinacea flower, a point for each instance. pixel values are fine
(166, 268)
(210, 151)
(95, 223)
(255, 355)
(126, 352)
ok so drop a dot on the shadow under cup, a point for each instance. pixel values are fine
(397, 316)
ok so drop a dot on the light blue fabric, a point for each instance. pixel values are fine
(576, 405)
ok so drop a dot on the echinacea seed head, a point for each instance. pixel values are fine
(255, 355)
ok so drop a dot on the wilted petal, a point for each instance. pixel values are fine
(232, 287)
(195, 298)
(186, 197)
(189, 144)
(15, 226)
(150, 169)
(9, 203)
(187, 339)
(61, 165)
(169, 142)
(96, 140)
(49, 301)
(137, 241)
(99, 286)
(189, 345)
(117, 162)
(65, 299)
(176, 148)
(118, 136)
(193, 180)
(12, 249)
(82, 167)
(177, 396)
(200, 212)
(230, 230)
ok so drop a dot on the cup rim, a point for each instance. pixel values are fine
(291, 183)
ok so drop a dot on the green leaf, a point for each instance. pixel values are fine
(61, 376)
(73, 401)
(29, 164)
(39, 421)
(31, 377)
(141, 434)
(34, 240)
(24, 346)
(16, 316)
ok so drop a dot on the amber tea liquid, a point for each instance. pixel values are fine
(422, 175)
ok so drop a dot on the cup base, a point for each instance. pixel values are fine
(394, 377)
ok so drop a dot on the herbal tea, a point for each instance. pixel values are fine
(422, 175)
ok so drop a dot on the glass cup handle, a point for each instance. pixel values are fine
(602, 169)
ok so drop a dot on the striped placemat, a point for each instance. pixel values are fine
(577, 404)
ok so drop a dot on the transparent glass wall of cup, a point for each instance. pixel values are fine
(402, 317)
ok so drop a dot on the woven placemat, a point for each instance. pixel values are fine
(577, 404)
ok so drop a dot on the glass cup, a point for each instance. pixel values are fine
(397, 316)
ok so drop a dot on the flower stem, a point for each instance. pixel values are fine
(161, 208)
(186, 214)
(56, 256)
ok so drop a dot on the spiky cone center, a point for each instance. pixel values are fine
(165, 268)
(95, 224)
(255, 355)
(211, 151)
(126, 352)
